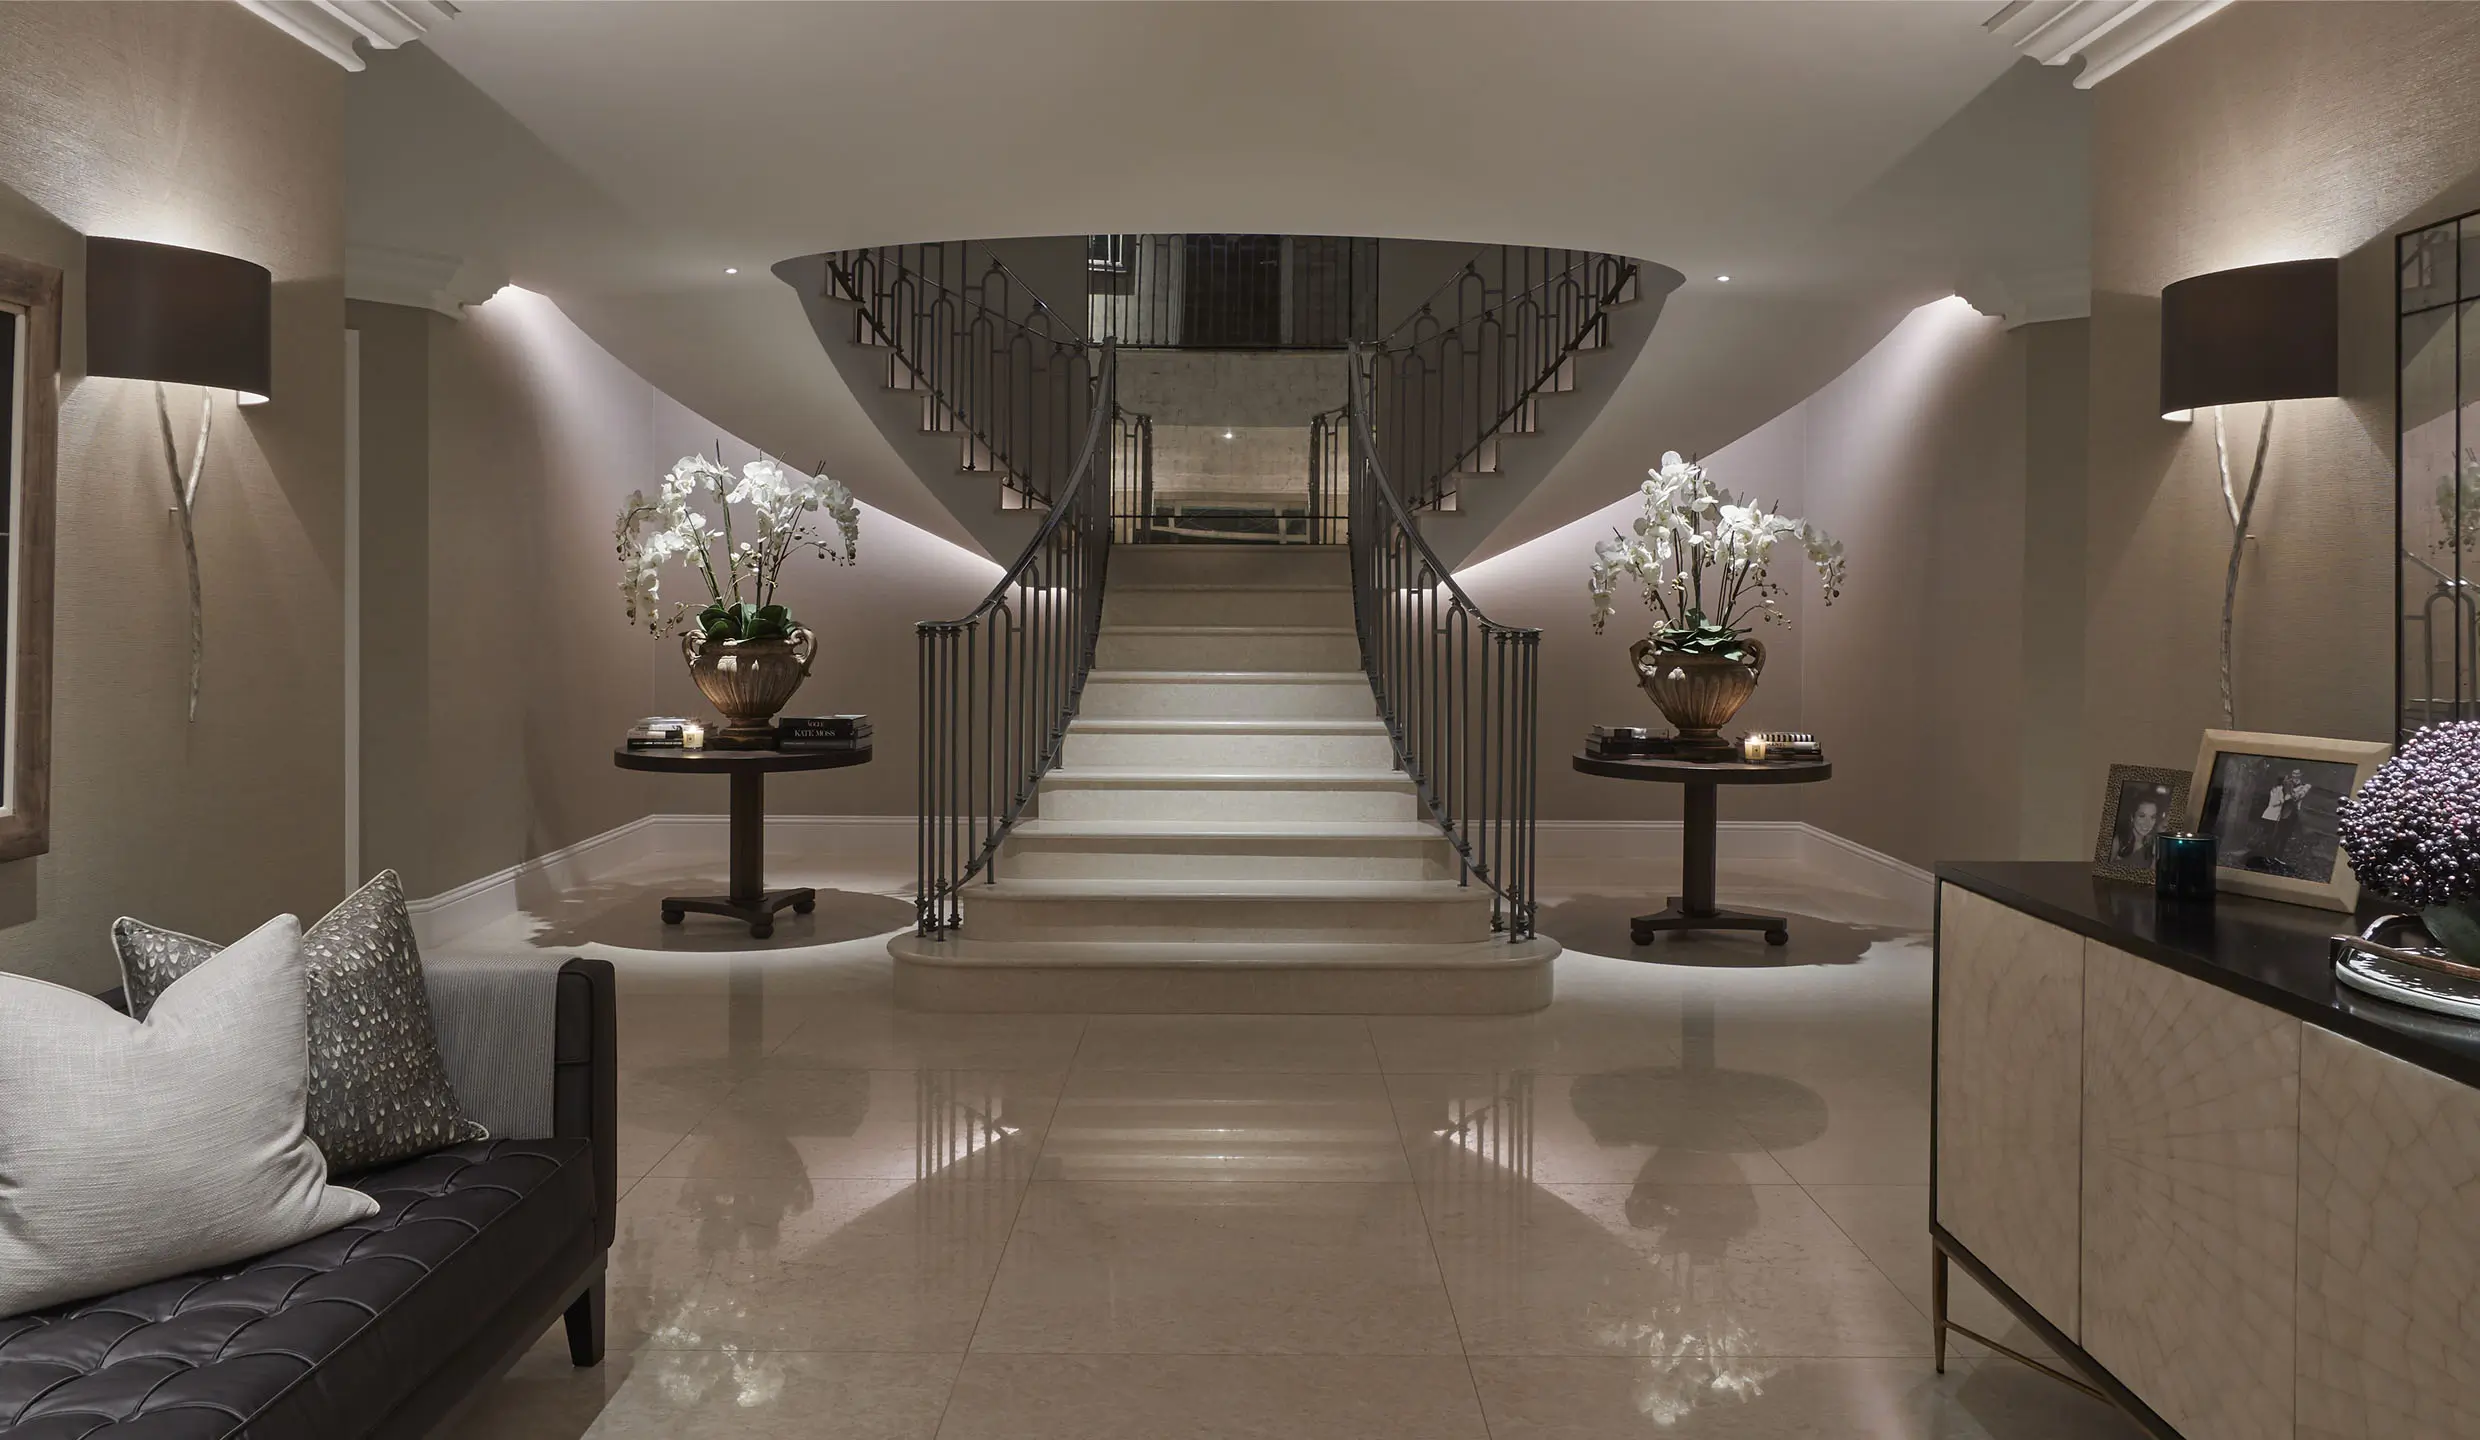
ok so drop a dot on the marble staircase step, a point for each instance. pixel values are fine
(1228, 694)
(1176, 912)
(1220, 795)
(1251, 851)
(1225, 976)
(1199, 604)
(1228, 647)
(1211, 744)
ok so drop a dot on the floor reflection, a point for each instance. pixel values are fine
(842, 1219)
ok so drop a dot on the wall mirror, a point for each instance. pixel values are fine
(29, 435)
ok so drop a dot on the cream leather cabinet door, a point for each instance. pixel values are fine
(2010, 1095)
(2389, 1247)
(2191, 1192)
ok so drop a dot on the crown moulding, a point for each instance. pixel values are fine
(334, 27)
(444, 283)
(2107, 35)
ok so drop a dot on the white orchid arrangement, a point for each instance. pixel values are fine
(740, 575)
(1691, 527)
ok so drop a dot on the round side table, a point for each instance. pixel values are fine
(1694, 907)
(750, 901)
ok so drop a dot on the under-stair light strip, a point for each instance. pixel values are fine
(333, 27)
(2108, 35)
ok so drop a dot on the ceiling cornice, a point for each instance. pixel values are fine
(2108, 35)
(332, 27)
(444, 283)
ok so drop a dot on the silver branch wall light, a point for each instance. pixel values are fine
(181, 317)
(2262, 333)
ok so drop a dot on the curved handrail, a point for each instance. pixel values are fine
(1096, 427)
(1402, 516)
(961, 312)
(1000, 684)
(1486, 333)
(1461, 716)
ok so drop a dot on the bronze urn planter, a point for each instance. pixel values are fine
(750, 681)
(1698, 694)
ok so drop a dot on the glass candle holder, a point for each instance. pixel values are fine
(2184, 865)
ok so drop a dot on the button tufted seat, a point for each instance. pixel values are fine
(325, 1339)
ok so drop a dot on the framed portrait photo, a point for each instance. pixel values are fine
(2140, 806)
(2273, 803)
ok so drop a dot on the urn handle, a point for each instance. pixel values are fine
(692, 644)
(1756, 652)
(804, 645)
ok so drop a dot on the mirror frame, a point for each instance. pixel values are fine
(32, 290)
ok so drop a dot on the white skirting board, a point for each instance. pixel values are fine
(795, 839)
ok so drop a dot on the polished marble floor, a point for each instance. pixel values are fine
(1688, 1199)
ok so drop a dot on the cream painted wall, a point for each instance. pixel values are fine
(199, 125)
(2271, 132)
(496, 643)
(1918, 457)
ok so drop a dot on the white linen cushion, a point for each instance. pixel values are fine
(133, 1151)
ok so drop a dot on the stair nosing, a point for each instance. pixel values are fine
(1345, 776)
(1214, 724)
(1123, 675)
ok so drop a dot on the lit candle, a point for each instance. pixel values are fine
(693, 736)
(1752, 748)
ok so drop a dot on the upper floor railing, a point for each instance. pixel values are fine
(1468, 367)
(999, 686)
(1232, 292)
(1459, 692)
(992, 361)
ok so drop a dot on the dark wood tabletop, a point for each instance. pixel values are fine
(711, 761)
(1706, 772)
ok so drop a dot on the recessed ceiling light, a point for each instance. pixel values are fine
(1227, 434)
(731, 269)
(1722, 279)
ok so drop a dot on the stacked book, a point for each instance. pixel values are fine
(657, 732)
(1790, 745)
(823, 732)
(1623, 742)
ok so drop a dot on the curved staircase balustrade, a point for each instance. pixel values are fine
(999, 686)
(1469, 366)
(1458, 692)
(992, 361)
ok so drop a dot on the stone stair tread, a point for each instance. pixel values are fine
(1463, 955)
(1119, 888)
(1109, 628)
(1041, 829)
(1221, 677)
(1223, 725)
(1295, 778)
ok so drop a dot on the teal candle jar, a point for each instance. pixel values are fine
(2183, 866)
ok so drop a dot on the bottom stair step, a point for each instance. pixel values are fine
(1483, 977)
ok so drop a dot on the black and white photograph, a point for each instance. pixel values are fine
(2272, 804)
(2140, 805)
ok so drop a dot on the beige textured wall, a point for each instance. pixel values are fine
(199, 125)
(2271, 132)
(1916, 680)
(495, 644)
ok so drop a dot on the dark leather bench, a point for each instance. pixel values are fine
(382, 1328)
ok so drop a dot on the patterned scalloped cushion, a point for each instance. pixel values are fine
(379, 1090)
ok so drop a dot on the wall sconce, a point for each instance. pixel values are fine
(2260, 333)
(182, 317)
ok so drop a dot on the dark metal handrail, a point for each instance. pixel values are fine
(1459, 385)
(1459, 692)
(1013, 386)
(1000, 685)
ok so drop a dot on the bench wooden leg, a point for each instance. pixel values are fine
(585, 1326)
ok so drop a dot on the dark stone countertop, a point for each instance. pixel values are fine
(2263, 950)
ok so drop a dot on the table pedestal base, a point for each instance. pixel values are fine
(1677, 916)
(757, 912)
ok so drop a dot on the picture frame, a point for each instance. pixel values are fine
(30, 296)
(2272, 804)
(2141, 803)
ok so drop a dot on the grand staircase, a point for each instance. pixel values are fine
(1226, 829)
(1292, 775)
